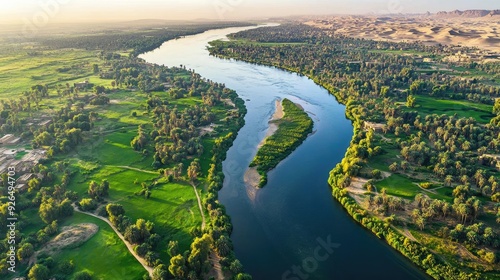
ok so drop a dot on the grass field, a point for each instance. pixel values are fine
(104, 254)
(172, 207)
(399, 185)
(429, 105)
(31, 65)
(106, 153)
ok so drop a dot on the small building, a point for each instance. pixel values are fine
(21, 188)
(377, 127)
(8, 139)
(24, 179)
(45, 122)
(167, 86)
(10, 154)
(490, 160)
(83, 85)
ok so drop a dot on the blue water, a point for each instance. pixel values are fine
(280, 231)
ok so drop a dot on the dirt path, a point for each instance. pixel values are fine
(425, 190)
(200, 206)
(216, 270)
(135, 169)
(129, 246)
(406, 232)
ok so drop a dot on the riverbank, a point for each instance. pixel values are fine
(252, 177)
(288, 128)
(351, 166)
(273, 122)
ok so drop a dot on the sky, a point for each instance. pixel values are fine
(43, 11)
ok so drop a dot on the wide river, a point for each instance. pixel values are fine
(292, 228)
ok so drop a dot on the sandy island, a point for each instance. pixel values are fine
(252, 177)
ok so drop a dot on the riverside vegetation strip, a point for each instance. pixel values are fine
(431, 175)
(127, 145)
(292, 130)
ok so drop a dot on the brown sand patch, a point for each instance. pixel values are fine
(273, 125)
(70, 237)
(252, 177)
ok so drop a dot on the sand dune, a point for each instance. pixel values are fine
(473, 32)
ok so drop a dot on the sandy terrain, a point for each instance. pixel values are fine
(252, 177)
(480, 32)
(273, 125)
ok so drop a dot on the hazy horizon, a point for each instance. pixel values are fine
(44, 11)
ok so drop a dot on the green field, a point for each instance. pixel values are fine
(429, 105)
(32, 65)
(104, 254)
(399, 185)
(171, 207)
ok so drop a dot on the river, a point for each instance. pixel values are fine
(292, 228)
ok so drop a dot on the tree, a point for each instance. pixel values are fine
(496, 107)
(405, 165)
(490, 257)
(66, 267)
(236, 267)
(448, 180)
(98, 191)
(243, 276)
(410, 101)
(393, 167)
(39, 272)
(193, 170)
(65, 208)
(173, 248)
(223, 246)
(88, 204)
(160, 272)
(83, 275)
(25, 251)
(178, 266)
(419, 219)
(49, 211)
(114, 209)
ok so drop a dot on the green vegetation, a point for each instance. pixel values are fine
(426, 142)
(464, 109)
(112, 261)
(292, 130)
(125, 140)
(399, 185)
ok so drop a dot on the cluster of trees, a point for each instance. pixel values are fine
(176, 135)
(141, 233)
(385, 204)
(292, 131)
(65, 131)
(416, 252)
(140, 41)
(47, 268)
(193, 263)
(71, 123)
(374, 82)
(54, 203)
(97, 193)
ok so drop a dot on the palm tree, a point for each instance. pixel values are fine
(448, 180)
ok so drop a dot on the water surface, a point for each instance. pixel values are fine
(280, 231)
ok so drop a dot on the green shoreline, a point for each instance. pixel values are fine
(292, 130)
(393, 238)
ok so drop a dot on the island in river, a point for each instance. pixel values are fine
(288, 128)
